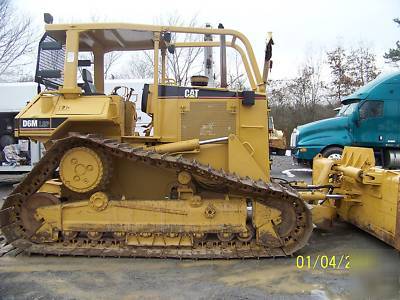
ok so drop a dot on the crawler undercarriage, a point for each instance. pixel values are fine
(205, 213)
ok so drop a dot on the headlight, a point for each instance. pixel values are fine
(293, 138)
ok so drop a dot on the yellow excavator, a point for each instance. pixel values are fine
(197, 183)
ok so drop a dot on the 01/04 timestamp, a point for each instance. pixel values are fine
(323, 261)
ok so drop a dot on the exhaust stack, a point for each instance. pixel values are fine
(224, 83)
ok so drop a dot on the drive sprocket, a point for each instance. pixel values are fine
(84, 170)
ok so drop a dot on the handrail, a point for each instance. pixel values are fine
(176, 29)
(228, 44)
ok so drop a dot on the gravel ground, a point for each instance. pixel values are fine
(371, 271)
(284, 167)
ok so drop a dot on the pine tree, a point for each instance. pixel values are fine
(394, 54)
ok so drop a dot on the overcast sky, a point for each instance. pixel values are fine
(300, 28)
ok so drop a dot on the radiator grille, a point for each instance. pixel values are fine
(207, 120)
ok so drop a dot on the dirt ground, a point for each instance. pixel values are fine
(369, 270)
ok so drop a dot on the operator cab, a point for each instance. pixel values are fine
(71, 62)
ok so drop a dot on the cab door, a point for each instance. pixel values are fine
(371, 125)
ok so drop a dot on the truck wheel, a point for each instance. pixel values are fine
(6, 140)
(332, 153)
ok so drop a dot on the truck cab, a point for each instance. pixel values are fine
(367, 118)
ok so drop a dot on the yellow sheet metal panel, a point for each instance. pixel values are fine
(241, 161)
(207, 120)
(254, 130)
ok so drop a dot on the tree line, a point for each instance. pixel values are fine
(308, 97)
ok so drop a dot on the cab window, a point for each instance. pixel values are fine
(347, 109)
(371, 109)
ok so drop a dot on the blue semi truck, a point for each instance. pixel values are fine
(370, 117)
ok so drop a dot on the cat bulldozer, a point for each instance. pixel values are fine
(195, 185)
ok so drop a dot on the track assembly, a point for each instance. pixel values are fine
(293, 225)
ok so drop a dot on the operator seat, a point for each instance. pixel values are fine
(88, 86)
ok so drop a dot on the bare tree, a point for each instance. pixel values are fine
(16, 38)
(308, 86)
(140, 66)
(362, 66)
(183, 63)
(351, 69)
(110, 59)
(237, 78)
(300, 100)
(341, 84)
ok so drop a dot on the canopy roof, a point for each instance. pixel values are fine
(125, 37)
(112, 39)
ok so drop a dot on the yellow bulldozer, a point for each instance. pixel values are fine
(196, 185)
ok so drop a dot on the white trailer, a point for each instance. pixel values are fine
(14, 97)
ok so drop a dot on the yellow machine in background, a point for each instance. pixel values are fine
(277, 139)
(197, 185)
